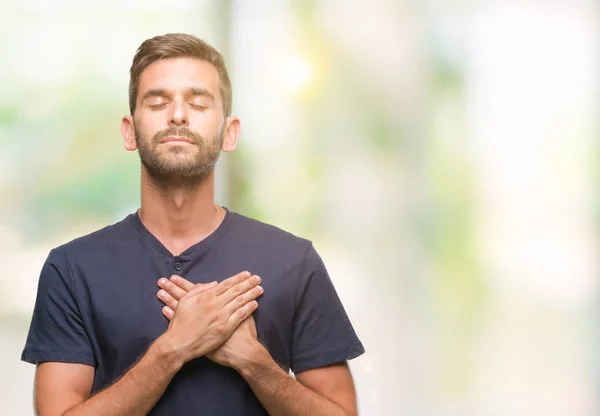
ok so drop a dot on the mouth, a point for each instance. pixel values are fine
(176, 140)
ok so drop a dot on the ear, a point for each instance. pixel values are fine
(128, 133)
(232, 133)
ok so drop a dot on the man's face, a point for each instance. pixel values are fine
(178, 121)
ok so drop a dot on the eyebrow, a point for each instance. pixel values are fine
(161, 92)
(201, 91)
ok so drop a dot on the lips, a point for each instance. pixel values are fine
(174, 139)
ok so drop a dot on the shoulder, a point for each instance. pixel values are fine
(105, 240)
(262, 232)
(261, 237)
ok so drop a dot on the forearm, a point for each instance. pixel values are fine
(138, 390)
(281, 394)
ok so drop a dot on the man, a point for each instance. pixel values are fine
(226, 338)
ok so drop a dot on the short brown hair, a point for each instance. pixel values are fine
(178, 45)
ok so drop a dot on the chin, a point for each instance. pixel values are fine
(179, 156)
(180, 165)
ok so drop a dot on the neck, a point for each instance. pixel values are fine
(179, 215)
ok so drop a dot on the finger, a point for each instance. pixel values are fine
(202, 287)
(167, 299)
(252, 324)
(243, 299)
(172, 289)
(239, 289)
(241, 314)
(168, 312)
(183, 283)
(226, 284)
(178, 287)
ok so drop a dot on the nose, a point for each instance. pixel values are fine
(178, 116)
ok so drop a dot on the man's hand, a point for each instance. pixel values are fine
(207, 315)
(328, 390)
(236, 349)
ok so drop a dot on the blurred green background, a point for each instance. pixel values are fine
(442, 155)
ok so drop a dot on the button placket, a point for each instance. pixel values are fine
(178, 265)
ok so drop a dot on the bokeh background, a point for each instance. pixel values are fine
(442, 155)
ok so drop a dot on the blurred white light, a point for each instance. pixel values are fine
(531, 127)
(297, 74)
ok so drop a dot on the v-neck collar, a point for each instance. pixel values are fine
(191, 251)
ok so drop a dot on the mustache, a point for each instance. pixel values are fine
(179, 132)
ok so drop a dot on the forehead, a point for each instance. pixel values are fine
(175, 74)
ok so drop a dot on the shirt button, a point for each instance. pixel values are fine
(178, 265)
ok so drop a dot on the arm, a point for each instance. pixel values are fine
(326, 390)
(206, 317)
(133, 394)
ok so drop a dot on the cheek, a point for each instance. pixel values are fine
(207, 125)
(146, 129)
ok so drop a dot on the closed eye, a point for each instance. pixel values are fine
(197, 106)
(158, 106)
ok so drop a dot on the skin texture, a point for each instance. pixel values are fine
(179, 99)
(326, 390)
(208, 316)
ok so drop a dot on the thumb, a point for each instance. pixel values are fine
(201, 287)
(206, 286)
(189, 286)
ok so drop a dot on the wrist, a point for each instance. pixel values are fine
(255, 362)
(167, 353)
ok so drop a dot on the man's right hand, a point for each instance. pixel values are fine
(207, 316)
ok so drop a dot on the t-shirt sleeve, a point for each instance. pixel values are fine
(322, 333)
(57, 332)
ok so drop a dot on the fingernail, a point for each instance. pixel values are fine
(174, 278)
(247, 274)
(257, 279)
(162, 281)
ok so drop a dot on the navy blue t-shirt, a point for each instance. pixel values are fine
(96, 304)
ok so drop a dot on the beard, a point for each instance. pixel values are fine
(174, 166)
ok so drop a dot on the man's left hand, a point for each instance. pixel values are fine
(238, 349)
